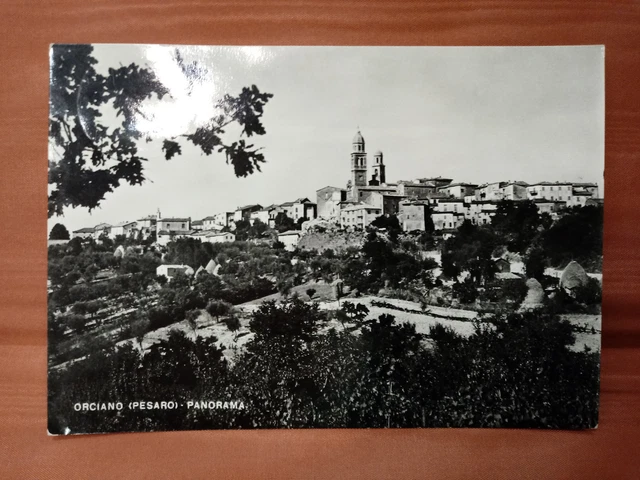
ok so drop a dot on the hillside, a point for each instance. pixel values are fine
(321, 239)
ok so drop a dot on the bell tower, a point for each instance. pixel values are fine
(358, 163)
(379, 176)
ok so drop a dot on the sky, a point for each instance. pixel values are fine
(474, 114)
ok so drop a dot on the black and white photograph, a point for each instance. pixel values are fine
(248, 237)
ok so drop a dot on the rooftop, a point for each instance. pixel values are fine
(332, 188)
(550, 183)
(374, 188)
(247, 207)
(417, 184)
(459, 184)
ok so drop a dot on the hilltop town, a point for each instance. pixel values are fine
(444, 202)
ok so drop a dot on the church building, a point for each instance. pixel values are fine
(362, 189)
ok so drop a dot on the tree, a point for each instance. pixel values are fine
(233, 324)
(75, 322)
(192, 320)
(300, 221)
(216, 308)
(283, 222)
(59, 232)
(356, 312)
(91, 159)
(535, 263)
(284, 286)
(516, 223)
(465, 291)
(293, 319)
(389, 222)
(138, 330)
(577, 235)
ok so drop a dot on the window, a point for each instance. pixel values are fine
(183, 225)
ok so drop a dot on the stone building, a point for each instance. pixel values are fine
(497, 191)
(219, 237)
(358, 215)
(417, 190)
(168, 228)
(290, 239)
(243, 213)
(458, 190)
(560, 191)
(123, 228)
(300, 208)
(413, 215)
(148, 222)
(171, 271)
(262, 215)
(328, 200)
(446, 220)
(101, 229)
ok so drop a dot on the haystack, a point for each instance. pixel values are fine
(535, 295)
(211, 266)
(573, 277)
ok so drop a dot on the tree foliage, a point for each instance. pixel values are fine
(59, 232)
(516, 223)
(577, 235)
(519, 373)
(91, 158)
(283, 222)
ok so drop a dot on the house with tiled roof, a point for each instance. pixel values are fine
(243, 213)
(126, 228)
(85, 232)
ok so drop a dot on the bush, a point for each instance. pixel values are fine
(465, 291)
(217, 308)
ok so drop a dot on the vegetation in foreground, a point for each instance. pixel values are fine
(388, 376)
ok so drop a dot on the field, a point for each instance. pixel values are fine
(587, 327)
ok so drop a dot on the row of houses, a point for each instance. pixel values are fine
(301, 208)
(449, 203)
(445, 213)
(208, 229)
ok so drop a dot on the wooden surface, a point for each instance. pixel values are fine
(28, 27)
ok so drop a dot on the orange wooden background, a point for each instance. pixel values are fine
(28, 27)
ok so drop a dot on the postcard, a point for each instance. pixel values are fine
(247, 237)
